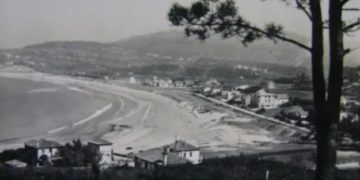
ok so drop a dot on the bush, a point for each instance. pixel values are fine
(244, 168)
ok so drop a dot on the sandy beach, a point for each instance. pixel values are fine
(135, 120)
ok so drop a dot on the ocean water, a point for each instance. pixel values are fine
(29, 108)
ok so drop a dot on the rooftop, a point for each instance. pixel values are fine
(157, 155)
(42, 143)
(180, 145)
(251, 89)
(99, 141)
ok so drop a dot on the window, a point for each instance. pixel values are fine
(184, 154)
(190, 154)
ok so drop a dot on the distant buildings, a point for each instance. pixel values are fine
(249, 96)
(179, 152)
(257, 97)
(167, 83)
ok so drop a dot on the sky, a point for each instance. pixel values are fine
(25, 22)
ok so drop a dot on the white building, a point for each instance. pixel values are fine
(105, 150)
(132, 80)
(179, 84)
(179, 152)
(263, 99)
(257, 97)
(43, 149)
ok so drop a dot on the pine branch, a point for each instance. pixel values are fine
(303, 8)
(355, 26)
(350, 9)
(343, 2)
(256, 29)
(349, 50)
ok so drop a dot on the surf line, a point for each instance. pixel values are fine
(96, 114)
(57, 130)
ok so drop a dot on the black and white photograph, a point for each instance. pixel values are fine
(179, 89)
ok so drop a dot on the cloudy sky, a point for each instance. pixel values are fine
(25, 22)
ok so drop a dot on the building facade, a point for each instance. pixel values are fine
(43, 149)
(179, 152)
(104, 148)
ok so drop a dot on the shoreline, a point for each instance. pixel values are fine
(153, 119)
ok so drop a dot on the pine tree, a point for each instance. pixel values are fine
(205, 18)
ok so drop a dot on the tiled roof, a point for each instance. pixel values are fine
(100, 141)
(42, 143)
(180, 145)
(251, 89)
(157, 155)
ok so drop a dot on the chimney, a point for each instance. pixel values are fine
(176, 144)
(165, 156)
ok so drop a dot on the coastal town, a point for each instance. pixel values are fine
(269, 102)
(179, 90)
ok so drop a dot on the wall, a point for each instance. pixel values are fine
(193, 156)
(106, 154)
(49, 152)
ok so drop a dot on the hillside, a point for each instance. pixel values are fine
(169, 54)
(176, 44)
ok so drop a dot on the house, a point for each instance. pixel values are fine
(132, 80)
(166, 83)
(247, 93)
(258, 97)
(186, 150)
(271, 85)
(263, 99)
(216, 91)
(126, 160)
(150, 159)
(179, 84)
(242, 87)
(295, 112)
(104, 148)
(43, 149)
(179, 152)
(212, 83)
(189, 83)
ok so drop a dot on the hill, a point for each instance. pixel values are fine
(176, 44)
(167, 53)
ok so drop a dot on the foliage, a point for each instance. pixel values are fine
(77, 155)
(21, 154)
(352, 128)
(245, 168)
(221, 17)
(207, 17)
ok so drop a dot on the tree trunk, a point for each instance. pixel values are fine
(327, 125)
(319, 91)
(328, 139)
